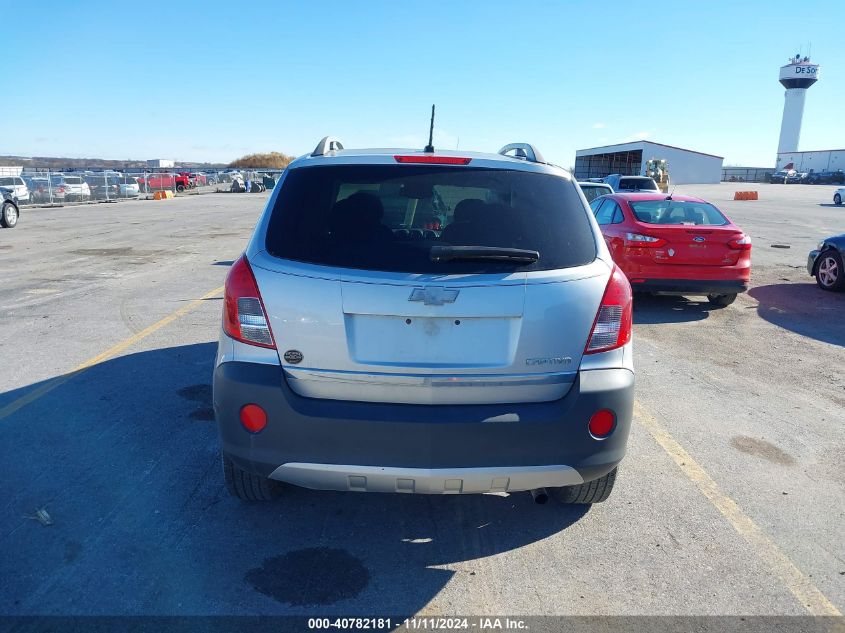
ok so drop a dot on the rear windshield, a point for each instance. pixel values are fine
(677, 212)
(7, 182)
(641, 184)
(388, 218)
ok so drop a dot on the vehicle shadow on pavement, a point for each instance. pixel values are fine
(803, 308)
(124, 459)
(831, 204)
(654, 309)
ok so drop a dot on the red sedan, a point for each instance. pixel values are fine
(675, 245)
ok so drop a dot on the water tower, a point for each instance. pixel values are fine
(798, 75)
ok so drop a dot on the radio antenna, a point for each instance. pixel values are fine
(671, 193)
(430, 147)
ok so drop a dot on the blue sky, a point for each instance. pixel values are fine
(215, 80)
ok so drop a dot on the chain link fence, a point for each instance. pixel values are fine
(63, 186)
(747, 174)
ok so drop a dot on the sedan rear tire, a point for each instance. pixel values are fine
(829, 271)
(9, 216)
(837, 199)
(594, 491)
(722, 300)
(249, 486)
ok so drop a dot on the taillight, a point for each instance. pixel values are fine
(643, 241)
(244, 317)
(740, 243)
(429, 159)
(612, 327)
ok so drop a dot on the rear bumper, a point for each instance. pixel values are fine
(811, 262)
(691, 286)
(425, 480)
(343, 445)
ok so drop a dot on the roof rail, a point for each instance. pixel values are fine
(327, 144)
(524, 151)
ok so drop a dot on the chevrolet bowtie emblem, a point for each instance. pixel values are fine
(434, 295)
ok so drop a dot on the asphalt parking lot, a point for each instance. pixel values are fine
(731, 499)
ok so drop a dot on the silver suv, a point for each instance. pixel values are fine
(425, 322)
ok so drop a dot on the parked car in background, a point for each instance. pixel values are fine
(9, 209)
(69, 188)
(825, 263)
(161, 181)
(198, 179)
(593, 190)
(796, 178)
(129, 187)
(342, 321)
(103, 187)
(839, 195)
(783, 176)
(230, 175)
(631, 183)
(826, 178)
(39, 189)
(675, 245)
(18, 186)
(210, 178)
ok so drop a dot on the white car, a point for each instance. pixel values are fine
(68, 188)
(18, 186)
(593, 190)
(839, 195)
(129, 187)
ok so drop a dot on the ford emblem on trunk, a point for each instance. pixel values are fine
(434, 295)
(698, 238)
(293, 356)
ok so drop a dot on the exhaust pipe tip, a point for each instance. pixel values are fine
(540, 496)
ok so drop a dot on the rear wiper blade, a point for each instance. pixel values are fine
(452, 253)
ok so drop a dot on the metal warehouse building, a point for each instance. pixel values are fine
(821, 160)
(629, 159)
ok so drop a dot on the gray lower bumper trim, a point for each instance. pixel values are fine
(423, 480)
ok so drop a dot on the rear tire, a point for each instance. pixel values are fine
(8, 216)
(829, 272)
(722, 300)
(594, 491)
(180, 188)
(248, 486)
(837, 199)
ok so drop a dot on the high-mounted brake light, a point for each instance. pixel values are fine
(643, 241)
(612, 327)
(433, 160)
(244, 317)
(740, 243)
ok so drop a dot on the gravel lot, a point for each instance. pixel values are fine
(730, 501)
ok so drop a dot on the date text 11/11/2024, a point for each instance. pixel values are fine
(418, 623)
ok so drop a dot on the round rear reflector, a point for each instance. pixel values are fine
(253, 418)
(602, 423)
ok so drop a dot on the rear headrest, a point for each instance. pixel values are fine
(469, 210)
(358, 210)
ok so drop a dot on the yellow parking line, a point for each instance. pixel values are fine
(799, 584)
(114, 350)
